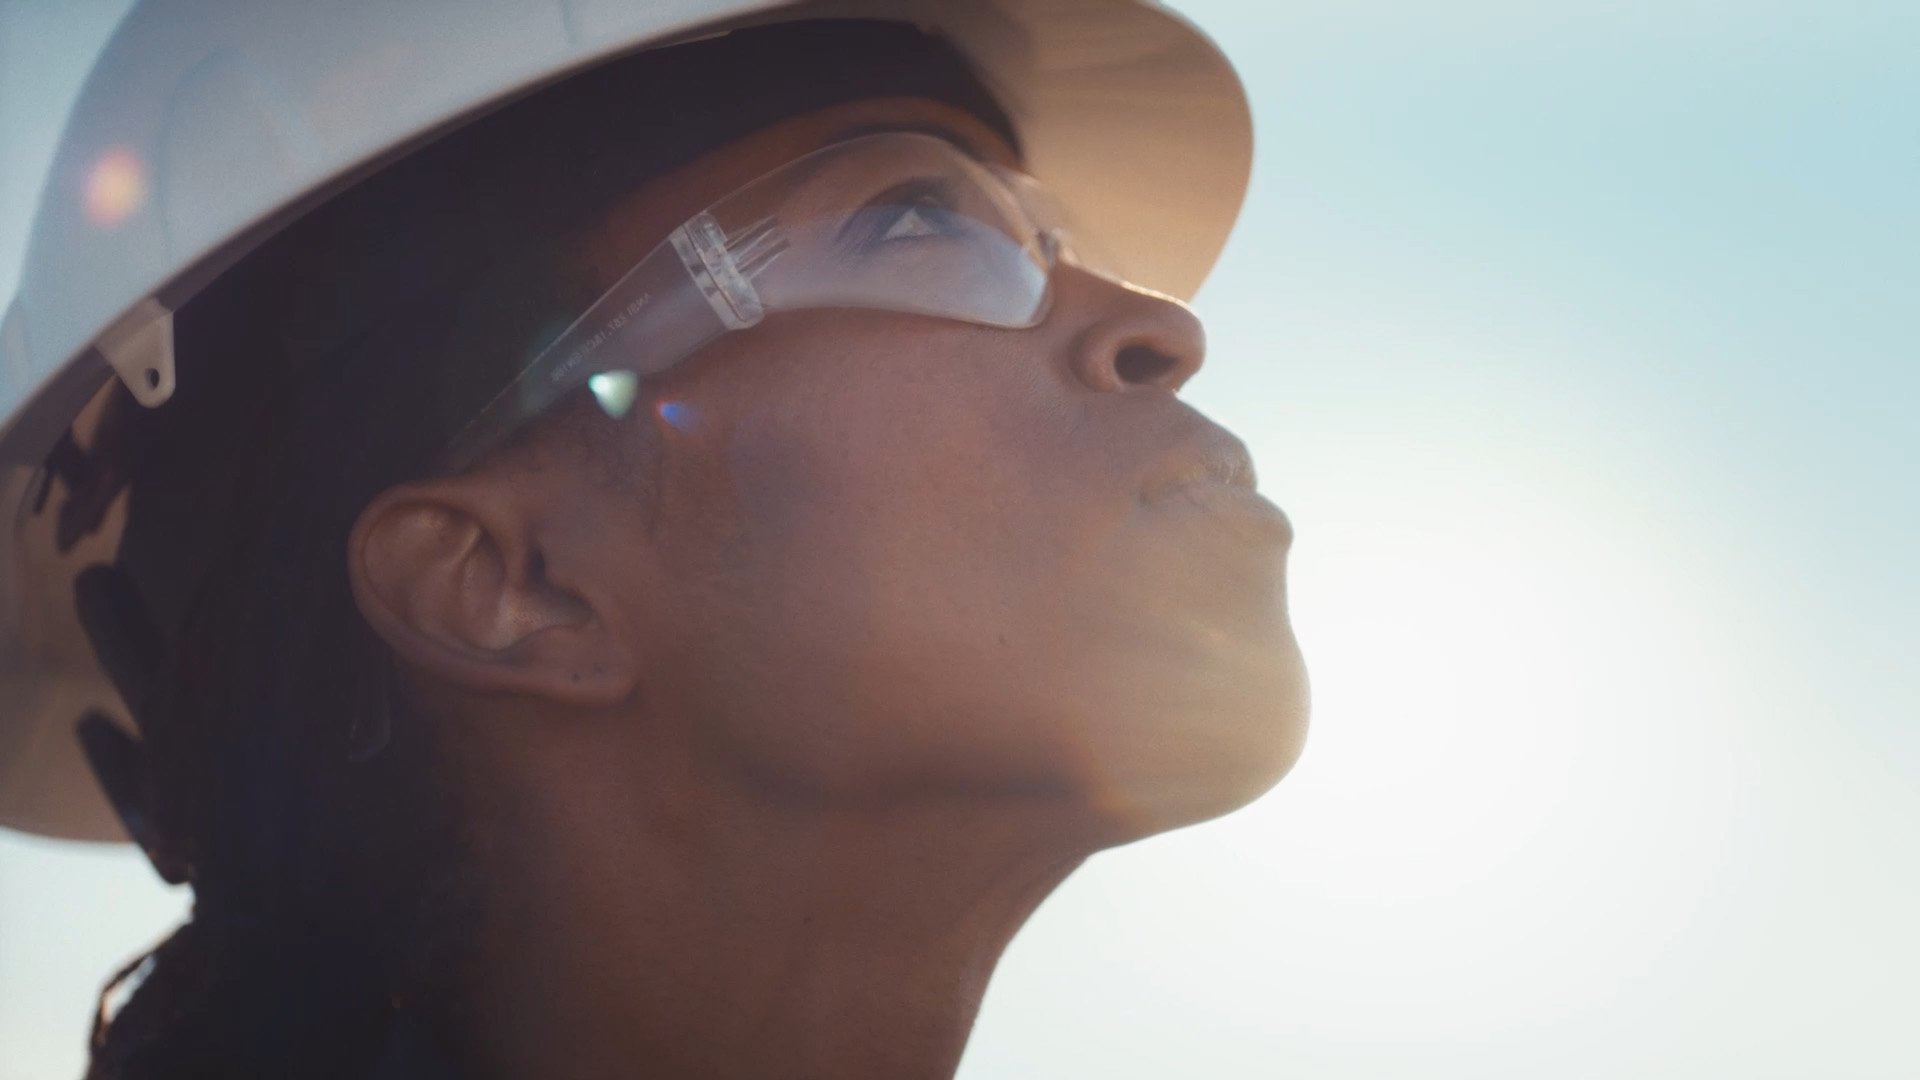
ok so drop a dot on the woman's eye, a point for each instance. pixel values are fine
(912, 221)
(910, 212)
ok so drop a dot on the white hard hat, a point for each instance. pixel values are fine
(206, 125)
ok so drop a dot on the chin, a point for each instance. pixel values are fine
(1197, 743)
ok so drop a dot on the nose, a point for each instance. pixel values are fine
(1127, 337)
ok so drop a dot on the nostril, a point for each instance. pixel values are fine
(1140, 364)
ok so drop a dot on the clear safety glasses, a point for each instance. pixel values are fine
(893, 222)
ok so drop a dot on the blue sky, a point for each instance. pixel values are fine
(1580, 341)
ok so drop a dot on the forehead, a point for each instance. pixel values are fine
(645, 216)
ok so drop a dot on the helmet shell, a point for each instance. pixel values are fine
(206, 125)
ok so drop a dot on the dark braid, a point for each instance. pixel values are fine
(320, 881)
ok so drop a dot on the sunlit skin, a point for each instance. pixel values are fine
(769, 747)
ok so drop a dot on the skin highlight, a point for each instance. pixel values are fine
(768, 753)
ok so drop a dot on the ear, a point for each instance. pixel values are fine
(451, 574)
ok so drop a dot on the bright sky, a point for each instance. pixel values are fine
(1579, 339)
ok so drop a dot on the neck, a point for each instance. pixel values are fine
(680, 924)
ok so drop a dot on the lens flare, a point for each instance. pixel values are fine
(679, 414)
(615, 391)
(115, 187)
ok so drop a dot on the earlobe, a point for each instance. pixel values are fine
(451, 575)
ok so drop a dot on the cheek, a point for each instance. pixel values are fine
(899, 504)
(894, 529)
(909, 454)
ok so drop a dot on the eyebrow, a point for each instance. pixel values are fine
(810, 173)
(916, 127)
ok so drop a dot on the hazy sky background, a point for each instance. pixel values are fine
(1582, 342)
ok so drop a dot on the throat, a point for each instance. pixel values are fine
(737, 940)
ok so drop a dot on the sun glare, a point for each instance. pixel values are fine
(115, 187)
(1505, 697)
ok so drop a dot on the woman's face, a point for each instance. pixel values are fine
(886, 555)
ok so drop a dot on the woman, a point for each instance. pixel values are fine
(663, 580)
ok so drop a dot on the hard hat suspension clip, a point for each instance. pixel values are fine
(139, 346)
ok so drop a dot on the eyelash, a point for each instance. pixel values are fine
(929, 198)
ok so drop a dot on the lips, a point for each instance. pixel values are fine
(1220, 461)
(1213, 478)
